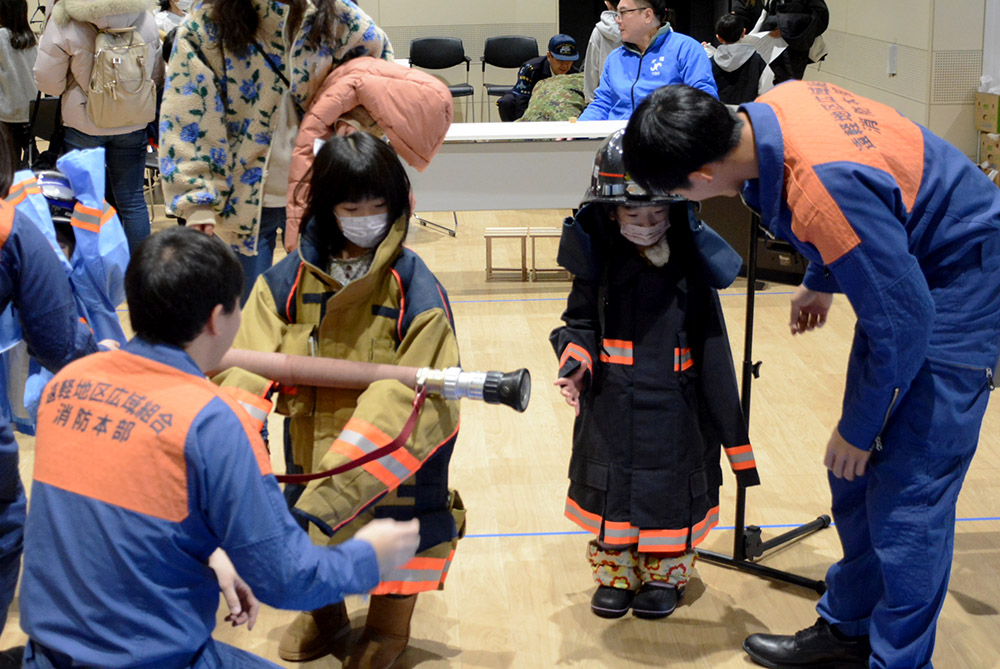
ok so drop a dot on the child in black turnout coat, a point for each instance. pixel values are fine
(645, 360)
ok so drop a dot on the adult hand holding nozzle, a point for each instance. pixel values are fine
(511, 388)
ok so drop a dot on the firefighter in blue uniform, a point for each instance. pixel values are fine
(909, 230)
(144, 469)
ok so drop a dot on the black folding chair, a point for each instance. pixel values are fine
(506, 52)
(440, 53)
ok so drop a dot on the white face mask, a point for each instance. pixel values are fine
(365, 231)
(184, 5)
(644, 235)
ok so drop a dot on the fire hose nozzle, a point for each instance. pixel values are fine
(510, 388)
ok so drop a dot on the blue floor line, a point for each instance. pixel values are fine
(719, 527)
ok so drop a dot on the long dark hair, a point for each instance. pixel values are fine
(14, 17)
(238, 22)
(350, 169)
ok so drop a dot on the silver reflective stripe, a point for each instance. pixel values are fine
(618, 351)
(255, 412)
(646, 542)
(626, 533)
(583, 520)
(357, 439)
(741, 457)
(23, 186)
(397, 468)
(679, 360)
(415, 575)
(84, 217)
(706, 525)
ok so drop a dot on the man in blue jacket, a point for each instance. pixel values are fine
(651, 55)
(144, 469)
(909, 230)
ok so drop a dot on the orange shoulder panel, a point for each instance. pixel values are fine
(822, 123)
(112, 427)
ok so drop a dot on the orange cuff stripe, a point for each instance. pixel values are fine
(740, 466)
(737, 450)
(577, 352)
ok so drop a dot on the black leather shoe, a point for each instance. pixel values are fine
(610, 602)
(816, 647)
(655, 601)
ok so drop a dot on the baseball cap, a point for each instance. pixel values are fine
(563, 47)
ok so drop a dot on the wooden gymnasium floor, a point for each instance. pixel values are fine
(519, 589)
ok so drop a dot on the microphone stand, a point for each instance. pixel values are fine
(747, 542)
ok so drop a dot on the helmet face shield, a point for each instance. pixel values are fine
(58, 193)
(610, 183)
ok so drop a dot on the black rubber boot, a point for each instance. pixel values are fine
(609, 602)
(817, 647)
(655, 601)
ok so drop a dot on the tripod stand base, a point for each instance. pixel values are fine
(761, 570)
(752, 547)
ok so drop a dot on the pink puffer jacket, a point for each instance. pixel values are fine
(412, 107)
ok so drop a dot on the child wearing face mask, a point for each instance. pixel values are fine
(644, 360)
(352, 291)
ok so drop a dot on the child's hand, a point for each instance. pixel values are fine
(570, 388)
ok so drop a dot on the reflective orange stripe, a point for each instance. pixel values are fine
(617, 351)
(381, 473)
(576, 352)
(738, 459)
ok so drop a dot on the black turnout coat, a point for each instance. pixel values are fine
(660, 398)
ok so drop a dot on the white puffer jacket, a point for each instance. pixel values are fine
(66, 53)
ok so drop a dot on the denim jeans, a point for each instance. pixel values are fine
(272, 219)
(125, 161)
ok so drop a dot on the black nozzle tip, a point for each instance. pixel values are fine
(512, 389)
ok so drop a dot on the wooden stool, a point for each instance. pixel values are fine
(545, 233)
(520, 233)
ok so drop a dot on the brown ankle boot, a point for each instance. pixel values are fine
(387, 631)
(312, 633)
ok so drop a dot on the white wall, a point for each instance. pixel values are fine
(939, 47)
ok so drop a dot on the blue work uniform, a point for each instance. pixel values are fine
(143, 468)
(908, 229)
(33, 280)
